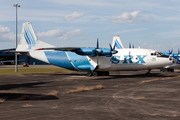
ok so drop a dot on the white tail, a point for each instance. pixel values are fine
(29, 40)
(117, 42)
(28, 36)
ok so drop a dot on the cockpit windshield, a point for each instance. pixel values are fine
(158, 54)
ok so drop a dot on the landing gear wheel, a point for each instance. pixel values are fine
(89, 74)
(148, 74)
(95, 74)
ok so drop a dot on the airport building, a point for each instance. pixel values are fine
(4, 56)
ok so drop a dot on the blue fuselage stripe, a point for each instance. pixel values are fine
(59, 58)
(79, 61)
(74, 62)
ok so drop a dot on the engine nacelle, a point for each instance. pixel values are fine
(94, 52)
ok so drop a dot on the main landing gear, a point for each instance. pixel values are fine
(148, 74)
(98, 73)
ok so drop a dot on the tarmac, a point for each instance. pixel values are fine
(74, 96)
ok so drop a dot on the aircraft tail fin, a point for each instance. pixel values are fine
(28, 39)
(28, 36)
(117, 42)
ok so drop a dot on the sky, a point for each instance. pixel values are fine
(152, 24)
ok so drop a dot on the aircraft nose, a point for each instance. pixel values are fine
(172, 59)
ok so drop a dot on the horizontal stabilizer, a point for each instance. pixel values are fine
(20, 52)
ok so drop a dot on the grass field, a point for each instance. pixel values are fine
(11, 71)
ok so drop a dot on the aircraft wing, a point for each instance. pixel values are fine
(91, 51)
(60, 48)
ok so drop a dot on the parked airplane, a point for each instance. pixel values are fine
(2, 61)
(169, 68)
(95, 61)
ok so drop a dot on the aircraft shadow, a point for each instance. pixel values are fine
(23, 96)
(29, 85)
(74, 74)
(159, 75)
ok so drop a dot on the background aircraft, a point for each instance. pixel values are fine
(169, 68)
(2, 61)
(95, 60)
(176, 65)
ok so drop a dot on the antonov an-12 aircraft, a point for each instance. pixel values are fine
(95, 61)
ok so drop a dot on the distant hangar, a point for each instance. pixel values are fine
(21, 59)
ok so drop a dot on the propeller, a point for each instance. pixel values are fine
(170, 53)
(113, 51)
(97, 51)
(131, 46)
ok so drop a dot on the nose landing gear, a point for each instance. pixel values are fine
(148, 74)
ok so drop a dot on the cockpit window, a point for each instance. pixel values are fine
(159, 53)
(156, 54)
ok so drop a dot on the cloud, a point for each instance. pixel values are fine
(73, 16)
(70, 34)
(126, 17)
(6, 35)
(4, 29)
(60, 34)
(50, 33)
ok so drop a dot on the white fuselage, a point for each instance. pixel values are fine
(124, 60)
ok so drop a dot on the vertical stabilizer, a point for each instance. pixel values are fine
(28, 39)
(117, 42)
(28, 36)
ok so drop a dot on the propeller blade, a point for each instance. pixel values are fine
(129, 54)
(97, 44)
(170, 51)
(114, 46)
(110, 46)
(132, 46)
(113, 51)
(129, 45)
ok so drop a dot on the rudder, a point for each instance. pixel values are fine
(28, 36)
